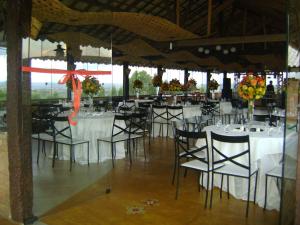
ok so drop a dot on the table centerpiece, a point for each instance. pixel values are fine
(137, 85)
(91, 86)
(212, 86)
(251, 88)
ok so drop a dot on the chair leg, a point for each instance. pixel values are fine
(129, 150)
(178, 177)
(199, 178)
(255, 187)
(112, 154)
(248, 197)
(221, 189)
(54, 154)
(212, 188)
(144, 143)
(38, 153)
(228, 187)
(174, 170)
(98, 156)
(71, 157)
(266, 192)
(88, 153)
(207, 187)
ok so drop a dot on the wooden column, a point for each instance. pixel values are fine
(125, 81)
(186, 76)
(208, 76)
(159, 70)
(19, 114)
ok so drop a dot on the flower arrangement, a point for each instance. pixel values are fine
(252, 87)
(164, 86)
(175, 85)
(191, 84)
(91, 86)
(157, 81)
(213, 85)
(138, 84)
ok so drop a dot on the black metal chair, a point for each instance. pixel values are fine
(174, 113)
(159, 116)
(232, 166)
(41, 132)
(198, 156)
(62, 134)
(139, 128)
(41, 125)
(121, 132)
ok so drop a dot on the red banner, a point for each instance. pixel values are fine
(69, 75)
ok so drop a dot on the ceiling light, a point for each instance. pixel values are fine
(200, 49)
(218, 47)
(206, 51)
(233, 49)
(225, 51)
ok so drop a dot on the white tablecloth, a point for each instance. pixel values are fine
(188, 112)
(266, 152)
(90, 127)
(225, 107)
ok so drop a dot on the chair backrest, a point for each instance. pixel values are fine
(186, 139)
(121, 125)
(194, 124)
(159, 112)
(61, 127)
(138, 122)
(41, 124)
(175, 112)
(239, 154)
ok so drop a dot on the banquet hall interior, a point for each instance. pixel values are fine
(149, 112)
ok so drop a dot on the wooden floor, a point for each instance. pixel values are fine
(151, 180)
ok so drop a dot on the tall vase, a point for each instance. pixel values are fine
(250, 109)
(137, 94)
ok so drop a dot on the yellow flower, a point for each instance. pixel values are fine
(245, 87)
(251, 90)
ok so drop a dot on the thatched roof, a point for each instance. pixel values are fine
(141, 31)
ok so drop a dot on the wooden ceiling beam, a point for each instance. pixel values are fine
(231, 40)
(216, 11)
(209, 17)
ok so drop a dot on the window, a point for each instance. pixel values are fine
(145, 74)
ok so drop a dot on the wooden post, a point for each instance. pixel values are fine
(208, 76)
(126, 73)
(19, 114)
(186, 76)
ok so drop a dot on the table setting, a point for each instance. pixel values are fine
(266, 144)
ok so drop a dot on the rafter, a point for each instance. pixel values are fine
(232, 40)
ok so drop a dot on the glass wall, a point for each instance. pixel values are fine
(289, 190)
(3, 74)
(200, 78)
(144, 74)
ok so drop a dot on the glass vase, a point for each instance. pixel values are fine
(250, 109)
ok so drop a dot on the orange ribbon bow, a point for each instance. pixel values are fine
(69, 75)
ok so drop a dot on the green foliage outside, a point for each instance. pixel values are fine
(148, 88)
(2, 95)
